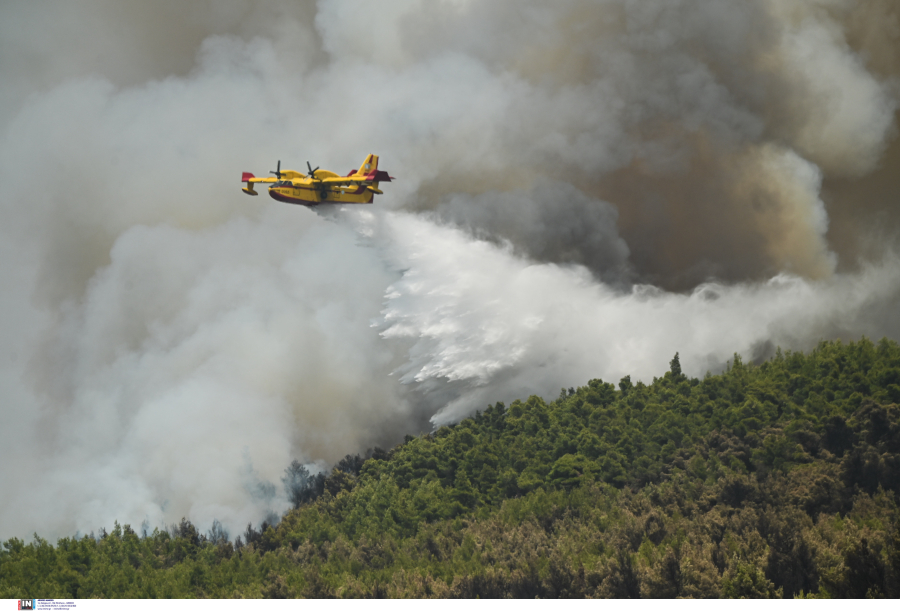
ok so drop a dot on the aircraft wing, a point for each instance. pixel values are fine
(250, 178)
(343, 180)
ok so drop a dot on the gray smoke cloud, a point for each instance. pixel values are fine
(584, 188)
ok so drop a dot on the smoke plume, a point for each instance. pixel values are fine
(583, 189)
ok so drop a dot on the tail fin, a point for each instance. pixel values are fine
(369, 166)
(370, 170)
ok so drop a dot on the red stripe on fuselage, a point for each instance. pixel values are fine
(291, 200)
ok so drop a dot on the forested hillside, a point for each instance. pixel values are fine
(778, 480)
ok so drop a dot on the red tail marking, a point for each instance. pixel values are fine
(246, 176)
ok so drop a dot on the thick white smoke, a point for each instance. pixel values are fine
(584, 188)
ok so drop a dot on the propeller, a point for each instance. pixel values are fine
(312, 172)
(277, 172)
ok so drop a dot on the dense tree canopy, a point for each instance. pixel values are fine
(777, 480)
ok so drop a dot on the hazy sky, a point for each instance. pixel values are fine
(583, 189)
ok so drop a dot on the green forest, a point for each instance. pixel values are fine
(777, 480)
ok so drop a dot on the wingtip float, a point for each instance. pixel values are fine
(322, 186)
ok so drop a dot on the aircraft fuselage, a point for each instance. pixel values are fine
(309, 195)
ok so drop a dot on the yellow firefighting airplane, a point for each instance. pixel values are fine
(322, 186)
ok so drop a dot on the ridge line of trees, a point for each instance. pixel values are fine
(777, 480)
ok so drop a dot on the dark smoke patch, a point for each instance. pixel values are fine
(553, 221)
